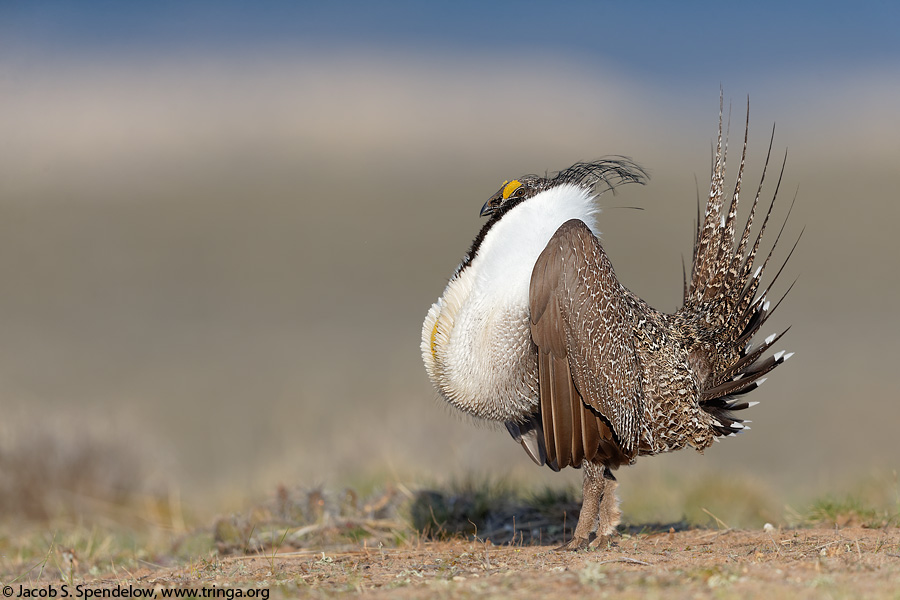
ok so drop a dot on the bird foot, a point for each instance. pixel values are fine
(602, 542)
(574, 545)
(598, 542)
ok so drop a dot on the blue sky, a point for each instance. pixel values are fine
(644, 39)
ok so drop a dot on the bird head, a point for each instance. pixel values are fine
(513, 192)
(609, 172)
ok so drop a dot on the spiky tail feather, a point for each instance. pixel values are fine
(723, 304)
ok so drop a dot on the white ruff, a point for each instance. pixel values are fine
(476, 339)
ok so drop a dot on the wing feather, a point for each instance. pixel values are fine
(560, 378)
(588, 370)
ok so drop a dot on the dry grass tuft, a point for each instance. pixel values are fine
(849, 511)
(301, 518)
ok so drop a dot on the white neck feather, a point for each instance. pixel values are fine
(507, 255)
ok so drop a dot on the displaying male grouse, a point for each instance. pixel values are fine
(535, 331)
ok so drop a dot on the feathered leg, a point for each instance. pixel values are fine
(599, 508)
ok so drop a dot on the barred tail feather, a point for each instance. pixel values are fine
(725, 302)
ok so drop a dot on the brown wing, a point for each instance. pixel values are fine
(589, 376)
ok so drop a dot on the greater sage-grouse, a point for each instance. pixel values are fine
(535, 331)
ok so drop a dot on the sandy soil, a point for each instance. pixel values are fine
(803, 563)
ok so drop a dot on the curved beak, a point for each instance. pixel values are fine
(486, 209)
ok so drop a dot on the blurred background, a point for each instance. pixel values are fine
(222, 224)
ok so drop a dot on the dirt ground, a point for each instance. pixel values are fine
(801, 563)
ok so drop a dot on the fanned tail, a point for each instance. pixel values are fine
(724, 306)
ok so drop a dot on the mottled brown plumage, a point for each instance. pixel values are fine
(592, 376)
